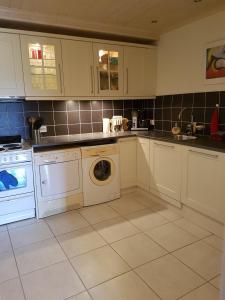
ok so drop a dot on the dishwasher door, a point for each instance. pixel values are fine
(59, 178)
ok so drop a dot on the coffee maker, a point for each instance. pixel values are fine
(139, 120)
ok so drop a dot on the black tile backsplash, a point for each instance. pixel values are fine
(73, 117)
(67, 117)
(200, 105)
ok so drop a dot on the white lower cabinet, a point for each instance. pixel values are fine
(143, 163)
(128, 162)
(203, 182)
(165, 171)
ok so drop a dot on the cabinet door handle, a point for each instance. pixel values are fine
(165, 145)
(127, 80)
(204, 154)
(60, 80)
(92, 83)
(97, 71)
(50, 161)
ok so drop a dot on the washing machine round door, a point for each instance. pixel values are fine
(102, 171)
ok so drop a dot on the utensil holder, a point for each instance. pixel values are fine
(36, 135)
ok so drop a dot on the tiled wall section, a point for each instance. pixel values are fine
(72, 117)
(67, 117)
(201, 105)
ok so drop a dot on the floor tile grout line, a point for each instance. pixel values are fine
(33, 243)
(68, 298)
(213, 286)
(148, 285)
(144, 231)
(132, 269)
(211, 245)
(68, 260)
(39, 241)
(107, 280)
(36, 221)
(182, 217)
(214, 278)
(20, 279)
(127, 237)
(107, 244)
(67, 232)
(195, 289)
(44, 267)
(191, 267)
(210, 233)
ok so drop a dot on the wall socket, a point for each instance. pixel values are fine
(43, 129)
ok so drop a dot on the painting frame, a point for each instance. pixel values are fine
(214, 72)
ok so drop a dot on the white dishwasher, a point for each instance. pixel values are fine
(58, 181)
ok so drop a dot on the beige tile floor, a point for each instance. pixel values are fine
(127, 249)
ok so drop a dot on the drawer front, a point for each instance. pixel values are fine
(17, 204)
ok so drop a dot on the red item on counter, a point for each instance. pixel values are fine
(214, 124)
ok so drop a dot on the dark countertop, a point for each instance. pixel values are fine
(203, 142)
(88, 139)
(85, 139)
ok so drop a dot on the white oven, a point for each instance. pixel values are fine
(16, 186)
(16, 179)
(58, 181)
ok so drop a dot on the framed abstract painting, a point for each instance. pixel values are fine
(214, 69)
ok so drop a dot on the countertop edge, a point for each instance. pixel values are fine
(202, 142)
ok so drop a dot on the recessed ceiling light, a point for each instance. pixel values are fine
(154, 21)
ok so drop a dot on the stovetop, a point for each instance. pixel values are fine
(10, 147)
(10, 143)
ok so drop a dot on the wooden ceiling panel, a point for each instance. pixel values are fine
(128, 17)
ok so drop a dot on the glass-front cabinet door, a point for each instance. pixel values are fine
(108, 69)
(42, 66)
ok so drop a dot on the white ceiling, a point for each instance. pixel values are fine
(124, 17)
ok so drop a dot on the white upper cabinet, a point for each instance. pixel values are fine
(11, 74)
(166, 171)
(78, 69)
(108, 64)
(139, 71)
(42, 64)
(203, 182)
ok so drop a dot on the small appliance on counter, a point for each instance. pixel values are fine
(106, 125)
(139, 121)
(116, 123)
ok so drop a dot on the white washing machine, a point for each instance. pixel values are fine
(101, 181)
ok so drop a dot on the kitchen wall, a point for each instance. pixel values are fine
(67, 117)
(74, 117)
(201, 105)
(181, 59)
